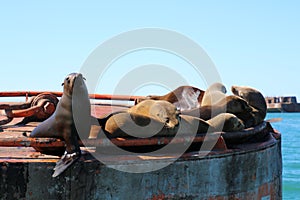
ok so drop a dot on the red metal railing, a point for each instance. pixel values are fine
(43, 104)
(59, 94)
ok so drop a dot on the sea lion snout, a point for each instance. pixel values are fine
(171, 123)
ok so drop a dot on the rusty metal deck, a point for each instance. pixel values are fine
(15, 147)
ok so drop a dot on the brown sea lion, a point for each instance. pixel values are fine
(256, 100)
(213, 94)
(231, 104)
(183, 97)
(71, 117)
(125, 124)
(226, 122)
(160, 110)
(135, 125)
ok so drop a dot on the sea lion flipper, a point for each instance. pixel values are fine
(64, 162)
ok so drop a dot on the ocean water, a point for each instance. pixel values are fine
(289, 127)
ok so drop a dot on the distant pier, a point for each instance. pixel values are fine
(282, 104)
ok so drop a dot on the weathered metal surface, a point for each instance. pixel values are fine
(41, 105)
(37, 108)
(250, 169)
(104, 142)
(9, 139)
(245, 174)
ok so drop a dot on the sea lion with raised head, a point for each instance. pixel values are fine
(256, 100)
(214, 93)
(183, 97)
(71, 117)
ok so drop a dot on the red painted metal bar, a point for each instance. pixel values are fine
(59, 94)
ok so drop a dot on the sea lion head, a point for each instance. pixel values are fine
(71, 81)
(236, 104)
(236, 123)
(166, 113)
(214, 93)
(161, 110)
(252, 96)
(217, 87)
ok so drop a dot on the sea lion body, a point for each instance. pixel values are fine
(257, 102)
(230, 104)
(183, 97)
(136, 125)
(61, 124)
(214, 93)
(226, 122)
(71, 117)
(126, 124)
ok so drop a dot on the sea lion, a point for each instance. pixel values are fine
(183, 97)
(256, 100)
(213, 94)
(71, 117)
(160, 110)
(226, 122)
(231, 104)
(250, 118)
(125, 125)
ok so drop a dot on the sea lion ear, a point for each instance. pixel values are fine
(62, 84)
(84, 78)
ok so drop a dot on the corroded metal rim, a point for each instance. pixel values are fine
(122, 142)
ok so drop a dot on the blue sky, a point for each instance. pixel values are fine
(254, 43)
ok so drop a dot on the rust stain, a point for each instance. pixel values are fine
(160, 196)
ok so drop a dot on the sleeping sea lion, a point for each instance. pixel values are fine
(71, 117)
(226, 122)
(183, 97)
(160, 110)
(125, 125)
(231, 104)
(213, 94)
(256, 100)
